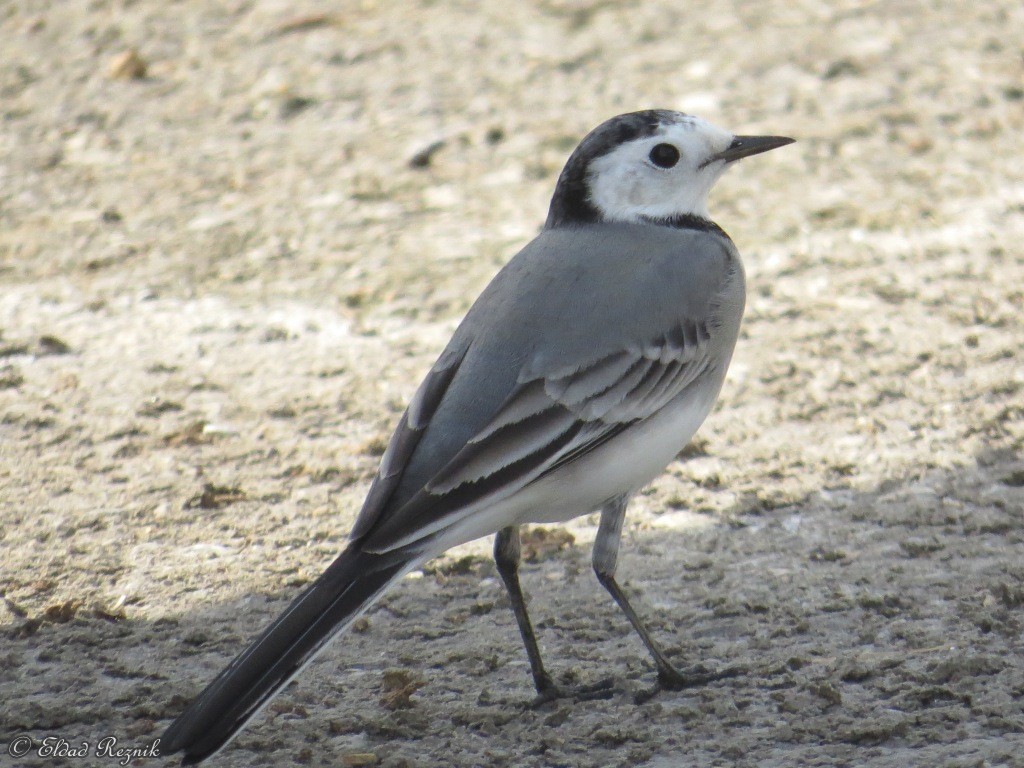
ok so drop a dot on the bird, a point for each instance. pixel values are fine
(577, 376)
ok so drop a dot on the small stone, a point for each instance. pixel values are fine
(127, 65)
(359, 758)
(51, 345)
(292, 104)
(423, 157)
(540, 543)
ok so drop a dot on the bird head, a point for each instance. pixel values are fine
(652, 166)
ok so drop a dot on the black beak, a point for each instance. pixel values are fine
(745, 146)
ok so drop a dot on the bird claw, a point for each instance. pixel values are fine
(549, 691)
(673, 679)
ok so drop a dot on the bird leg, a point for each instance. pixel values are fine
(506, 556)
(606, 553)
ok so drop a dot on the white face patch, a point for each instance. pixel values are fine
(626, 185)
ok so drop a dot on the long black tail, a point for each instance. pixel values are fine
(324, 609)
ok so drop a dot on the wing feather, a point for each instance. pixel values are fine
(514, 442)
(572, 387)
(526, 401)
(548, 421)
(406, 437)
(600, 405)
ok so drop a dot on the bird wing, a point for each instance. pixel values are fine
(586, 332)
(549, 420)
(407, 436)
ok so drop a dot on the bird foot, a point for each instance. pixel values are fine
(673, 679)
(548, 690)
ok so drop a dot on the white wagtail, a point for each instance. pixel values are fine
(581, 371)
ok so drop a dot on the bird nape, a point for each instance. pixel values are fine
(542, 407)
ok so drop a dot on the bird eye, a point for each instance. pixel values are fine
(664, 155)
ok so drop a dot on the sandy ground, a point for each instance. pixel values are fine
(220, 281)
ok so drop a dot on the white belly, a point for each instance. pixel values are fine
(624, 465)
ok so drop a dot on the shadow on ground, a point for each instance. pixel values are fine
(879, 628)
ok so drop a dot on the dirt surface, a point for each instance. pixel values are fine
(226, 262)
